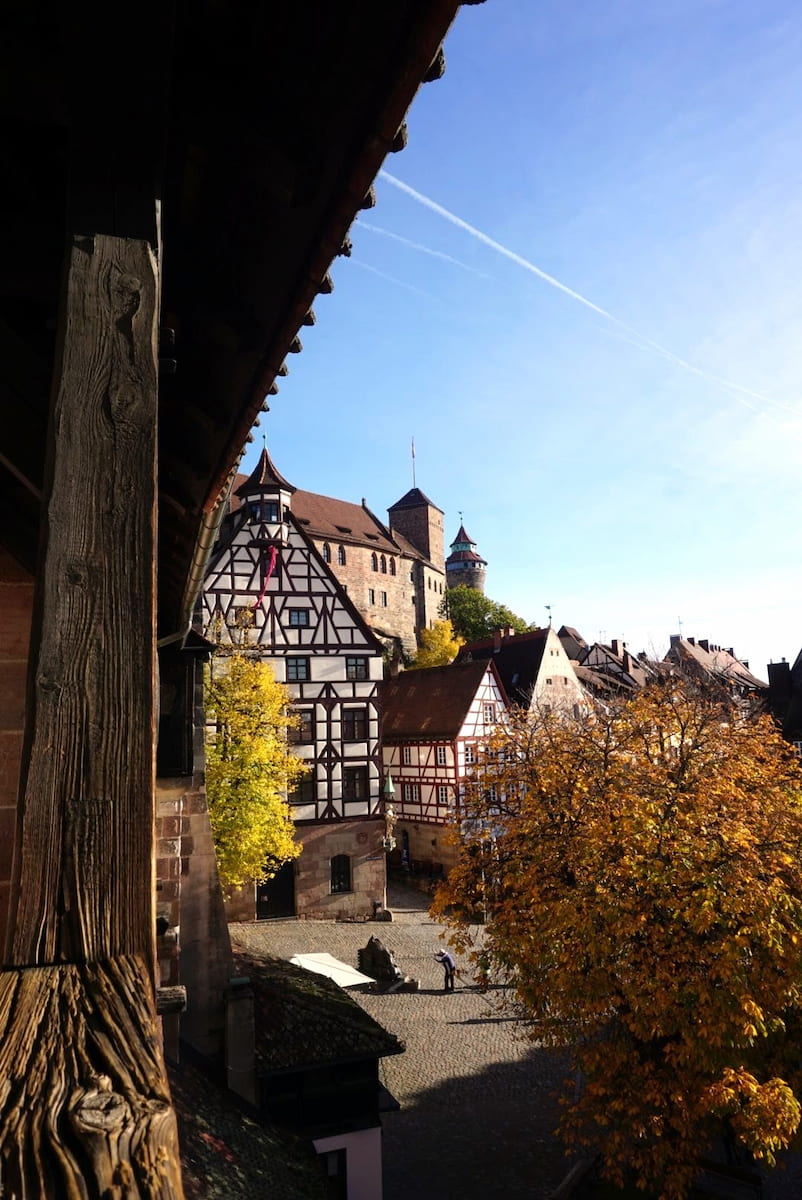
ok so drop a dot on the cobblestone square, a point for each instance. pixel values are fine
(478, 1109)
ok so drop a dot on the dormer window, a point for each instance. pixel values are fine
(264, 510)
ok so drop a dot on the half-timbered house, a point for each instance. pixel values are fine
(269, 592)
(435, 722)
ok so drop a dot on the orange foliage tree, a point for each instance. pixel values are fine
(640, 872)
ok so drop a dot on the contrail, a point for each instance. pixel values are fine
(427, 202)
(392, 279)
(417, 246)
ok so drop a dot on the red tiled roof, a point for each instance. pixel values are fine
(429, 703)
(341, 521)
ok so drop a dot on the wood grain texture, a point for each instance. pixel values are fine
(84, 1105)
(83, 886)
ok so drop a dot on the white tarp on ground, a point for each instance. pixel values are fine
(327, 964)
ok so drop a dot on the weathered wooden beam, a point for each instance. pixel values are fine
(83, 886)
(85, 1110)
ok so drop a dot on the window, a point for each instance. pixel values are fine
(340, 873)
(392, 566)
(383, 565)
(356, 668)
(303, 792)
(441, 756)
(371, 595)
(355, 783)
(305, 732)
(548, 681)
(406, 756)
(412, 575)
(374, 561)
(490, 794)
(489, 713)
(443, 794)
(341, 556)
(264, 510)
(298, 616)
(326, 552)
(354, 724)
(384, 599)
(470, 755)
(410, 793)
(297, 669)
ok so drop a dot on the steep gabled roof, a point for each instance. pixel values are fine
(430, 703)
(305, 1020)
(517, 660)
(338, 521)
(714, 661)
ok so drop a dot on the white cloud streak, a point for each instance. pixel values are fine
(392, 279)
(642, 341)
(396, 237)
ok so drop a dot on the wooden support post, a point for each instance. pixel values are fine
(84, 867)
(84, 1105)
(84, 1100)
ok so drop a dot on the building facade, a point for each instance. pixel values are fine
(435, 722)
(270, 593)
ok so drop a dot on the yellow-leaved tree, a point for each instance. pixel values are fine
(640, 869)
(249, 769)
(439, 645)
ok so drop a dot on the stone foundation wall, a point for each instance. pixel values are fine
(361, 841)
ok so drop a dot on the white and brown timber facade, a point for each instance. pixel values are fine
(435, 722)
(394, 573)
(269, 591)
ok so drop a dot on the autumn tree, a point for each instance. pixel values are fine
(641, 872)
(249, 768)
(439, 646)
(475, 617)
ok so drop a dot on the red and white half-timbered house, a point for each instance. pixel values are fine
(435, 722)
(269, 591)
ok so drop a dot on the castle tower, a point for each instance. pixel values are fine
(464, 567)
(421, 523)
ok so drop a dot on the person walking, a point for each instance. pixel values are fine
(446, 959)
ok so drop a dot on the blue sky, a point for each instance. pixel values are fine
(631, 470)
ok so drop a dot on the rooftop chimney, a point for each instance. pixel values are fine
(705, 644)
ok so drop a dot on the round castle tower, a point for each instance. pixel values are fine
(464, 567)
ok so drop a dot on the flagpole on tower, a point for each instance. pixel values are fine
(413, 462)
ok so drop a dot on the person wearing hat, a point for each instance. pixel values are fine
(449, 966)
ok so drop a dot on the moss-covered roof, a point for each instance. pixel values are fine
(305, 1020)
(226, 1155)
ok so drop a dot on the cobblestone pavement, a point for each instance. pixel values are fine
(477, 1102)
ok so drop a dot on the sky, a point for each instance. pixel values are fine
(579, 292)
